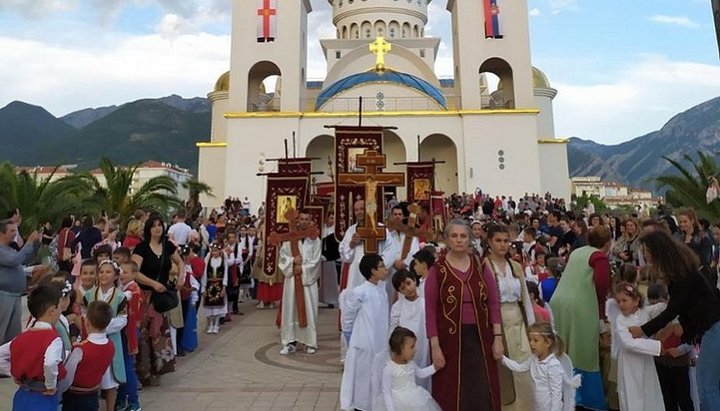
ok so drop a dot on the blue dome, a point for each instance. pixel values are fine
(381, 77)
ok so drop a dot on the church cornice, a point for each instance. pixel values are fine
(369, 10)
(350, 114)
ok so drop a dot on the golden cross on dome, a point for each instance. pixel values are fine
(380, 48)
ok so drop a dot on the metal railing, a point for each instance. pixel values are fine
(379, 104)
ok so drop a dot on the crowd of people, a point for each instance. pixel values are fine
(517, 305)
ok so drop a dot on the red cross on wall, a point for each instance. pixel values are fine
(266, 12)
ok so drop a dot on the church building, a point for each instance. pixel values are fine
(499, 138)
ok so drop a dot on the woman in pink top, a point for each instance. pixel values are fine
(463, 324)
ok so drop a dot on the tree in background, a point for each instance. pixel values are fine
(116, 198)
(581, 203)
(196, 188)
(39, 200)
(688, 185)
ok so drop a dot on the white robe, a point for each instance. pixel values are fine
(394, 251)
(352, 256)
(290, 330)
(638, 384)
(411, 315)
(365, 317)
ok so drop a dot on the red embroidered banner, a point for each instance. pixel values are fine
(301, 167)
(284, 191)
(349, 143)
(420, 182)
(267, 20)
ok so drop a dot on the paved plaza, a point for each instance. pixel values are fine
(241, 369)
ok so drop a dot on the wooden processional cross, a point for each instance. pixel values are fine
(410, 229)
(372, 178)
(293, 236)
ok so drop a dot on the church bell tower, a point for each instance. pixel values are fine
(500, 44)
(269, 38)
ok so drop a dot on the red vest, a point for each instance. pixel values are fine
(27, 354)
(95, 361)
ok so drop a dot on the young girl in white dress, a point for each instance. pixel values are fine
(638, 384)
(399, 389)
(550, 379)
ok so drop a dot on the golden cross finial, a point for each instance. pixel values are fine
(380, 48)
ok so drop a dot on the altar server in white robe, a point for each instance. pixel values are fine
(309, 269)
(394, 251)
(364, 324)
(352, 250)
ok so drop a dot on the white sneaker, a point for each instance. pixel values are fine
(216, 329)
(209, 329)
(288, 349)
(310, 350)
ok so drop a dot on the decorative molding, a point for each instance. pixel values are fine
(211, 145)
(554, 141)
(420, 113)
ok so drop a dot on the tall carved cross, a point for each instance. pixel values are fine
(380, 48)
(372, 178)
(293, 236)
(411, 230)
(265, 12)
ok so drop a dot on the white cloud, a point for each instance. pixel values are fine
(640, 99)
(37, 8)
(534, 12)
(683, 21)
(558, 6)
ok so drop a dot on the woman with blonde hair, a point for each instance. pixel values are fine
(693, 236)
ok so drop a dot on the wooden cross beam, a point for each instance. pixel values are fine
(293, 236)
(411, 230)
(372, 162)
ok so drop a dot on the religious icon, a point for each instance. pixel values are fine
(284, 203)
(352, 155)
(421, 189)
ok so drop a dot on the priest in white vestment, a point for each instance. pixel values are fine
(352, 249)
(309, 269)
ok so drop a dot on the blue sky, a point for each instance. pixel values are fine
(622, 68)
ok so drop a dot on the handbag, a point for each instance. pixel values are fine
(67, 251)
(167, 300)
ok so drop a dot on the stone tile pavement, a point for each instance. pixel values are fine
(241, 369)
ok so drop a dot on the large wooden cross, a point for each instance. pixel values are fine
(293, 236)
(373, 163)
(411, 230)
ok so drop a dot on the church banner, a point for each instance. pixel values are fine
(420, 182)
(349, 143)
(301, 167)
(284, 191)
(492, 19)
(266, 20)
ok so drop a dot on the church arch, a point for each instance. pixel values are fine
(416, 31)
(442, 148)
(366, 30)
(322, 148)
(354, 31)
(380, 28)
(345, 32)
(264, 80)
(394, 29)
(406, 30)
(394, 148)
(504, 95)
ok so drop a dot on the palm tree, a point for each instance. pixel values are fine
(115, 196)
(193, 204)
(688, 188)
(39, 200)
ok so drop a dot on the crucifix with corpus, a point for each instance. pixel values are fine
(372, 162)
(293, 236)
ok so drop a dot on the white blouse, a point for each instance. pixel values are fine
(509, 286)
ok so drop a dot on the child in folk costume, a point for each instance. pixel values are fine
(409, 312)
(89, 361)
(364, 322)
(214, 284)
(638, 384)
(549, 377)
(36, 354)
(108, 273)
(399, 390)
(128, 392)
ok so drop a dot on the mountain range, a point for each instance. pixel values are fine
(166, 129)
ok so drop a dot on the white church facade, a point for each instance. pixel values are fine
(502, 141)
